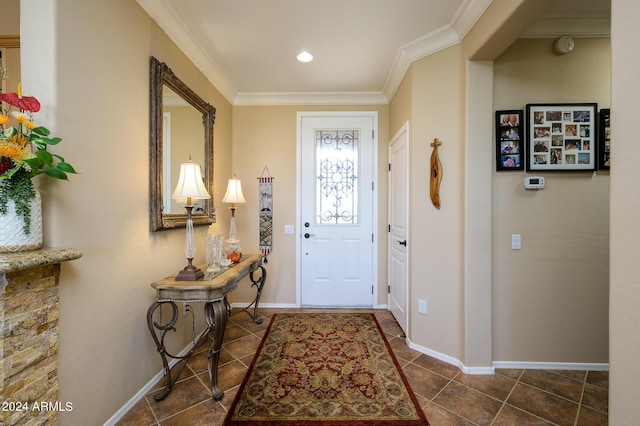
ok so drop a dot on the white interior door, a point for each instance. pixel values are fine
(336, 210)
(398, 226)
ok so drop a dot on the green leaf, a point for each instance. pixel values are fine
(45, 156)
(55, 173)
(42, 131)
(54, 141)
(34, 163)
(66, 167)
(38, 141)
(9, 173)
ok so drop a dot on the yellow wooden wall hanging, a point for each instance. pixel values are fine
(436, 174)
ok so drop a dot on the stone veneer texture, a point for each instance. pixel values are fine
(29, 345)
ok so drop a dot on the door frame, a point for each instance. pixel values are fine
(374, 217)
(403, 130)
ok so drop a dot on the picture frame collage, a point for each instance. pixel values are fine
(604, 146)
(558, 137)
(510, 140)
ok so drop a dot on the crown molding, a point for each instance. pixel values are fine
(398, 70)
(576, 25)
(424, 46)
(309, 98)
(463, 20)
(166, 17)
(468, 15)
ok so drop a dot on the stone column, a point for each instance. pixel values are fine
(29, 336)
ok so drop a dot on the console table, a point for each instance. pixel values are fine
(212, 290)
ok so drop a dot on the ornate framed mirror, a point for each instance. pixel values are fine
(181, 128)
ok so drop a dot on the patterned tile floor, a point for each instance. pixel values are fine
(447, 396)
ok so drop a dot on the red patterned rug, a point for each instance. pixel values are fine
(325, 369)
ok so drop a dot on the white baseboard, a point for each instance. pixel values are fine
(451, 360)
(143, 391)
(552, 365)
(509, 364)
(426, 351)
(265, 305)
(146, 388)
(284, 305)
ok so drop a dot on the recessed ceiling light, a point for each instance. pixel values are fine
(305, 57)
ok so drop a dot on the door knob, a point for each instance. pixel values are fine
(308, 235)
(403, 243)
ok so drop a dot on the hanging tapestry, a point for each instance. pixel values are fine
(265, 192)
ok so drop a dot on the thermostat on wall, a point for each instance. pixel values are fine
(534, 182)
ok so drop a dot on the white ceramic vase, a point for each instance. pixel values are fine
(12, 236)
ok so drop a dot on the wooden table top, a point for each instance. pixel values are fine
(213, 287)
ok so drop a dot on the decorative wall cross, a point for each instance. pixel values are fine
(436, 174)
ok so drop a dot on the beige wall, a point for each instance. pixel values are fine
(624, 392)
(97, 86)
(266, 136)
(10, 55)
(540, 313)
(10, 17)
(187, 136)
(550, 299)
(400, 107)
(435, 240)
(95, 95)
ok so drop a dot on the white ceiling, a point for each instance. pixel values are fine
(361, 48)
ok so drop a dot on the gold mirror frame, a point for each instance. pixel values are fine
(9, 41)
(161, 76)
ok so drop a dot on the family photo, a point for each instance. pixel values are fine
(561, 136)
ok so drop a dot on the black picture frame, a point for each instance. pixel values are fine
(510, 146)
(604, 144)
(562, 137)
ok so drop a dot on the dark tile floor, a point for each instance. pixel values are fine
(447, 396)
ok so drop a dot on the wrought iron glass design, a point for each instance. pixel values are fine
(337, 177)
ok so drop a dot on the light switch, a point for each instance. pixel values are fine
(516, 242)
(289, 229)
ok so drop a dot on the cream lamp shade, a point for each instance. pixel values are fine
(233, 195)
(190, 187)
(234, 192)
(190, 184)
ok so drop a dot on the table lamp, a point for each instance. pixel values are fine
(190, 187)
(233, 195)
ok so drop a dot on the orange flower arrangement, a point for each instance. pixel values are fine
(24, 155)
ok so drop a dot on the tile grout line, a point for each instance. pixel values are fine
(540, 389)
(518, 380)
(153, 412)
(515, 383)
(518, 408)
(431, 400)
(584, 385)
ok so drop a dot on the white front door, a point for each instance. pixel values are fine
(398, 226)
(336, 208)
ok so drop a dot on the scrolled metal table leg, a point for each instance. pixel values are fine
(216, 316)
(258, 283)
(158, 332)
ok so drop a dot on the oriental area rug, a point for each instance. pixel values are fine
(325, 369)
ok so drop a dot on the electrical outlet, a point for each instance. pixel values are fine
(422, 306)
(185, 308)
(516, 242)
